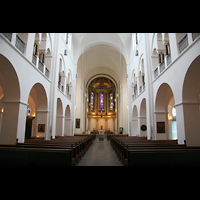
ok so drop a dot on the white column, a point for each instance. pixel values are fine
(13, 39)
(180, 123)
(13, 122)
(67, 127)
(190, 123)
(22, 122)
(189, 38)
(173, 46)
(60, 125)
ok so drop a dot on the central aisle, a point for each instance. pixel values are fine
(100, 154)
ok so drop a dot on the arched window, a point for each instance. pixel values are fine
(111, 101)
(101, 101)
(92, 101)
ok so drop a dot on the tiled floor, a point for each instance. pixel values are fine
(100, 153)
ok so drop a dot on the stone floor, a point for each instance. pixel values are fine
(100, 153)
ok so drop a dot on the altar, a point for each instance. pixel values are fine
(101, 132)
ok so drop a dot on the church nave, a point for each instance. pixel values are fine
(100, 154)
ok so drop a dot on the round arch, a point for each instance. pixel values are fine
(164, 97)
(68, 124)
(102, 75)
(38, 92)
(191, 84)
(191, 103)
(59, 107)
(10, 102)
(116, 46)
(9, 79)
(134, 124)
(37, 99)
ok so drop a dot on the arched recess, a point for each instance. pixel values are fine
(61, 75)
(163, 98)
(134, 127)
(141, 74)
(191, 103)
(60, 119)
(68, 126)
(142, 118)
(37, 99)
(10, 102)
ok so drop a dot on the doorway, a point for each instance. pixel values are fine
(28, 130)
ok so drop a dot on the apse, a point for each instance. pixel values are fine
(101, 104)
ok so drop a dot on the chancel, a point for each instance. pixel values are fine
(101, 108)
(99, 98)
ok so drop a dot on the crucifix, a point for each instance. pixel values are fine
(101, 111)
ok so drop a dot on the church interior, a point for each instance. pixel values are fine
(108, 99)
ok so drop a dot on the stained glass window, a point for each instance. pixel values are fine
(92, 101)
(102, 101)
(111, 101)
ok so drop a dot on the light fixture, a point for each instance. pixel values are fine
(65, 52)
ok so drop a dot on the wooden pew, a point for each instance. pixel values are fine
(120, 145)
(136, 151)
(15, 156)
(67, 147)
(116, 135)
(164, 157)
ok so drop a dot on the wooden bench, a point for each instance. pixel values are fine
(120, 145)
(136, 151)
(15, 156)
(68, 147)
(116, 135)
(164, 157)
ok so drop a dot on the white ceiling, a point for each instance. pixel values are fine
(83, 41)
(93, 50)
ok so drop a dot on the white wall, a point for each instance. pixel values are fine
(28, 75)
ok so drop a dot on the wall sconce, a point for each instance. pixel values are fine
(65, 52)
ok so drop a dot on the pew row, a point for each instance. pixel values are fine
(62, 151)
(138, 151)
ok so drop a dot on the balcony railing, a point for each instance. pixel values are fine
(162, 66)
(183, 44)
(34, 59)
(41, 66)
(20, 44)
(156, 73)
(58, 85)
(46, 72)
(143, 86)
(7, 35)
(195, 36)
(141, 89)
(134, 96)
(68, 96)
(169, 59)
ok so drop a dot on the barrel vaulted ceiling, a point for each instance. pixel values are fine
(108, 50)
